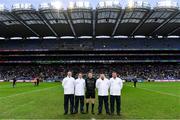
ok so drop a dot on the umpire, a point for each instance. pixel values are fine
(116, 85)
(79, 93)
(68, 84)
(102, 84)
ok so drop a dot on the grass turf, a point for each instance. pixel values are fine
(147, 101)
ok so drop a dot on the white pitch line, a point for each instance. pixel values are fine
(163, 93)
(93, 119)
(19, 106)
(17, 85)
(23, 93)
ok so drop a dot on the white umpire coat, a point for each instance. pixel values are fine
(68, 84)
(102, 86)
(116, 86)
(79, 87)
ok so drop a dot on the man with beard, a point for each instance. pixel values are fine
(102, 84)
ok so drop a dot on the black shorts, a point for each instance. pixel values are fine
(90, 95)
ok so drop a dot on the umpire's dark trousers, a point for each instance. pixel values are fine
(81, 100)
(118, 103)
(67, 98)
(101, 99)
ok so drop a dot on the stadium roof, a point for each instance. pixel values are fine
(80, 19)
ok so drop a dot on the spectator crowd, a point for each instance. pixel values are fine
(144, 71)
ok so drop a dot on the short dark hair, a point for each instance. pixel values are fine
(90, 72)
(80, 73)
(114, 72)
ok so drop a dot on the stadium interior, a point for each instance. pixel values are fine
(136, 38)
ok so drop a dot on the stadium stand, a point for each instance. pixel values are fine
(57, 72)
(136, 40)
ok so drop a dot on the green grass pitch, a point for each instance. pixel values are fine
(147, 101)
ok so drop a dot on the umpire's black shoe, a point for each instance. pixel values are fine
(112, 113)
(83, 112)
(99, 113)
(92, 113)
(108, 113)
(75, 113)
(65, 113)
(72, 113)
(118, 114)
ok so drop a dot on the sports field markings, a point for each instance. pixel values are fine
(19, 106)
(23, 93)
(93, 119)
(17, 86)
(156, 91)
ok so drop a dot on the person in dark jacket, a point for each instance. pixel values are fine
(14, 82)
(135, 81)
(38, 80)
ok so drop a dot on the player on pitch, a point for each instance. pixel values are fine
(14, 81)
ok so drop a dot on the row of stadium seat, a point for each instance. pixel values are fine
(87, 44)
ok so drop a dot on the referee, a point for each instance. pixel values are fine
(90, 92)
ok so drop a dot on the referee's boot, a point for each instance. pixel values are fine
(119, 114)
(92, 110)
(108, 113)
(87, 107)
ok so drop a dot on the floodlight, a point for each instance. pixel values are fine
(167, 3)
(145, 4)
(16, 6)
(27, 6)
(44, 6)
(79, 4)
(116, 3)
(86, 4)
(138, 4)
(2, 7)
(109, 3)
(101, 4)
(57, 5)
(71, 5)
(22, 6)
(130, 3)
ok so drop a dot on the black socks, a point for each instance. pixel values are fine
(87, 107)
(92, 108)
